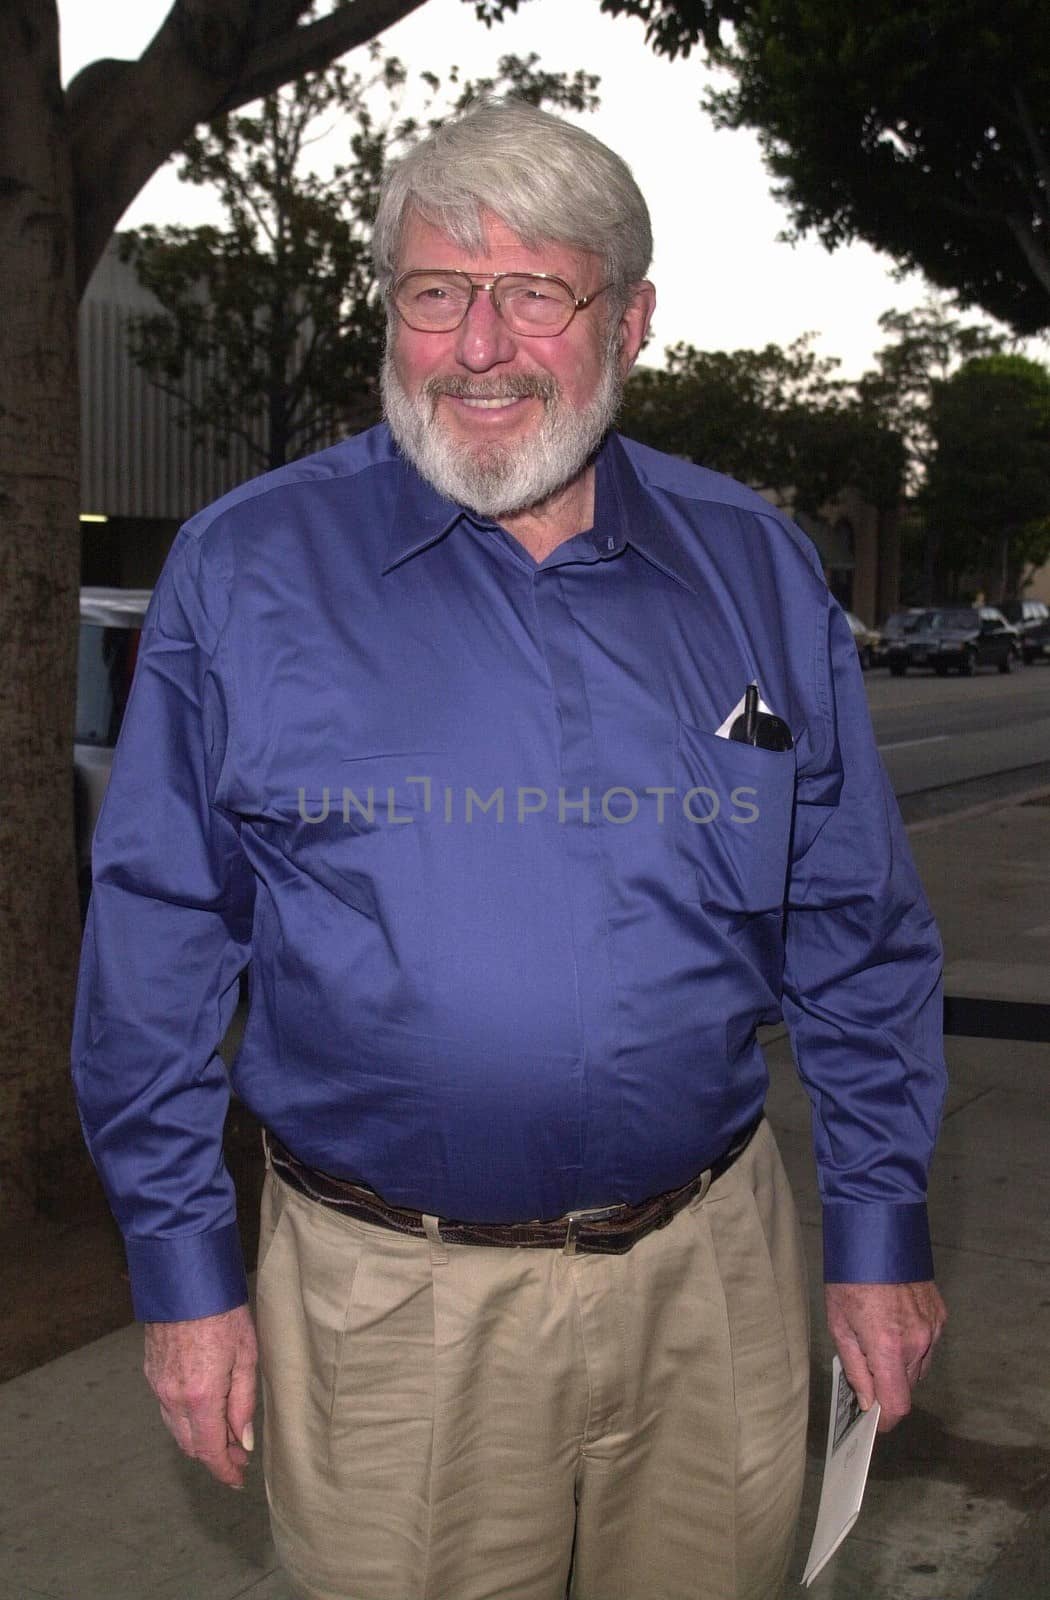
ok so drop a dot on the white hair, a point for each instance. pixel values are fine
(543, 177)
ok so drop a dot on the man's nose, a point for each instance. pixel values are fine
(483, 339)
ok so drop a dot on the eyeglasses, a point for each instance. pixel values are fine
(533, 304)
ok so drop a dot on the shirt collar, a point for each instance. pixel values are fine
(624, 513)
(628, 513)
(421, 516)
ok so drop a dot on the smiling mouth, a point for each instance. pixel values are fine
(494, 396)
(489, 403)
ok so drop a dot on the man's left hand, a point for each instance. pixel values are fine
(885, 1334)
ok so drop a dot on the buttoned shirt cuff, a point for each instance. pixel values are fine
(871, 1242)
(175, 1280)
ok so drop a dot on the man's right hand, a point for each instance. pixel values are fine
(203, 1374)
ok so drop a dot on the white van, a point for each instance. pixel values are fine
(110, 627)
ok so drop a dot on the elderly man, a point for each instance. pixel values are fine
(532, 771)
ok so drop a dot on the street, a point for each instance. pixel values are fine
(955, 733)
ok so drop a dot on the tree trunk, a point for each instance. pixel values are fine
(932, 574)
(39, 579)
(117, 124)
(889, 574)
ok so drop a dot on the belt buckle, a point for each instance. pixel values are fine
(706, 1179)
(573, 1219)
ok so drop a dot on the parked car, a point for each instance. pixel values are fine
(110, 627)
(1036, 643)
(863, 637)
(894, 628)
(959, 639)
(1031, 618)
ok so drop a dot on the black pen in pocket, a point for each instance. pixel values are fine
(760, 728)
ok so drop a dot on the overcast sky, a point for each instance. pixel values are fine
(723, 279)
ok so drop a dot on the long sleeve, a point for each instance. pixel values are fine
(862, 995)
(434, 985)
(167, 936)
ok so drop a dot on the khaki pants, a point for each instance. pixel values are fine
(464, 1423)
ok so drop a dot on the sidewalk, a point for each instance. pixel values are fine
(97, 1504)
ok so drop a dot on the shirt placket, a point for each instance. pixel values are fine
(576, 809)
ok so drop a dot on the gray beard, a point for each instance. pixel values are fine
(497, 480)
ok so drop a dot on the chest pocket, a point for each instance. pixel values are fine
(734, 806)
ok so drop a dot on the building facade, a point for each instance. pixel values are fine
(141, 472)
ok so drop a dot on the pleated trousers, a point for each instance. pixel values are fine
(454, 1422)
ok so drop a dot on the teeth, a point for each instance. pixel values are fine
(487, 404)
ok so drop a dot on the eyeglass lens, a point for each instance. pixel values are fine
(436, 302)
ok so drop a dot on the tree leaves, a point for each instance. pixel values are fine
(777, 418)
(922, 128)
(987, 495)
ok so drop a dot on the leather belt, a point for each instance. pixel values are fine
(601, 1230)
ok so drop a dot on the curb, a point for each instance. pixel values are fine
(1024, 797)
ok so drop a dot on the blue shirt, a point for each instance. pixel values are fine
(514, 909)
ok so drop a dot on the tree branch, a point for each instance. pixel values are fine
(277, 60)
(1034, 254)
(1034, 142)
(127, 117)
(306, 356)
(195, 418)
(216, 37)
(1019, 227)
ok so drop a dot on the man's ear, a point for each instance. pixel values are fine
(634, 324)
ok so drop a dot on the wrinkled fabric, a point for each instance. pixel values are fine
(514, 912)
(468, 1424)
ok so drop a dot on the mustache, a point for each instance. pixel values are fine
(513, 386)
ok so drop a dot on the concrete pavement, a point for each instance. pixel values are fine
(97, 1504)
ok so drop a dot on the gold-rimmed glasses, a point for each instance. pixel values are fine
(533, 304)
